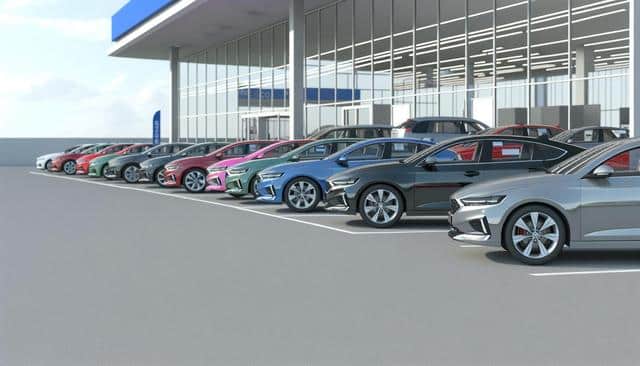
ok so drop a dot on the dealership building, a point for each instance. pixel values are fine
(244, 69)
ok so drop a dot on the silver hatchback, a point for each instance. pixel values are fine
(589, 201)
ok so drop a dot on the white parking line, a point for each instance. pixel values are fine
(582, 273)
(244, 209)
(471, 246)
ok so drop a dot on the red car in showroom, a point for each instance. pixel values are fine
(82, 163)
(191, 172)
(68, 162)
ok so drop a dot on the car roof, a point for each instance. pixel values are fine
(443, 118)
(540, 140)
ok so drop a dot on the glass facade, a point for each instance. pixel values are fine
(560, 62)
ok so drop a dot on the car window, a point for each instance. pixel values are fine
(366, 133)
(505, 150)
(611, 135)
(589, 135)
(507, 132)
(459, 153)
(402, 150)
(369, 152)
(626, 163)
(448, 127)
(536, 132)
(422, 127)
(197, 151)
(282, 149)
(621, 133)
(545, 152)
(471, 127)
(238, 150)
(316, 152)
(177, 148)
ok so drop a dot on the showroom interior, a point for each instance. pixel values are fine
(248, 69)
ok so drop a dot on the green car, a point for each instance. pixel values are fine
(241, 178)
(99, 164)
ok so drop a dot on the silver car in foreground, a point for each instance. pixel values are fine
(589, 201)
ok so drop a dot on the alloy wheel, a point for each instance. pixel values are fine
(69, 167)
(160, 178)
(381, 206)
(195, 181)
(131, 174)
(302, 195)
(535, 235)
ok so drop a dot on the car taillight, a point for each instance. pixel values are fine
(407, 130)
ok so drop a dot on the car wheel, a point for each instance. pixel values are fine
(48, 165)
(159, 177)
(69, 167)
(253, 187)
(381, 206)
(302, 195)
(195, 181)
(534, 234)
(103, 171)
(130, 174)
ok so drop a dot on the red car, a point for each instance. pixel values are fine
(68, 162)
(192, 171)
(82, 163)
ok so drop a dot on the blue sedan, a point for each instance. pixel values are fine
(302, 185)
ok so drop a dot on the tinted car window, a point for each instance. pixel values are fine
(198, 151)
(545, 152)
(447, 127)
(585, 136)
(237, 150)
(282, 149)
(366, 133)
(401, 150)
(536, 132)
(472, 127)
(316, 152)
(177, 148)
(369, 152)
(626, 163)
(462, 153)
(505, 150)
(422, 127)
(610, 135)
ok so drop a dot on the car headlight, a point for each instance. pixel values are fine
(482, 201)
(343, 182)
(216, 169)
(171, 167)
(235, 171)
(274, 175)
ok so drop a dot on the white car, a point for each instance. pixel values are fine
(44, 162)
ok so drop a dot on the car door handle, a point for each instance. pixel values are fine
(471, 173)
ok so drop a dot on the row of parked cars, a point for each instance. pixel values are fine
(513, 186)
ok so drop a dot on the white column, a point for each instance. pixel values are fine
(296, 69)
(634, 78)
(175, 94)
(584, 65)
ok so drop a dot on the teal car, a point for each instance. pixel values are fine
(242, 178)
(98, 165)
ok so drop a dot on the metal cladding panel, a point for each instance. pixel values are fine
(134, 13)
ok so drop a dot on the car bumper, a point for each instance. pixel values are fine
(41, 164)
(216, 182)
(146, 173)
(112, 173)
(82, 169)
(56, 166)
(171, 179)
(479, 225)
(237, 184)
(269, 191)
(338, 200)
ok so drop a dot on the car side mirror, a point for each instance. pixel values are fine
(149, 154)
(294, 158)
(429, 163)
(570, 141)
(218, 155)
(260, 156)
(603, 171)
(342, 160)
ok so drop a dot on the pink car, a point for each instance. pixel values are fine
(216, 179)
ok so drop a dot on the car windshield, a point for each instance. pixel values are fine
(428, 151)
(188, 150)
(577, 162)
(319, 131)
(154, 149)
(562, 136)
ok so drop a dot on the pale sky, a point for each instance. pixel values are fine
(56, 79)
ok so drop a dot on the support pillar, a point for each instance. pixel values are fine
(634, 79)
(584, 65)
(296, 69)
(175, 94)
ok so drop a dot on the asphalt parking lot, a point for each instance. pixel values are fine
(97, 272)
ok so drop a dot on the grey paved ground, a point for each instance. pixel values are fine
(92, 274)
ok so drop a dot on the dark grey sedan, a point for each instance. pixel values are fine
(127, 166)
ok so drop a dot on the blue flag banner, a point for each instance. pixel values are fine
(156, 128)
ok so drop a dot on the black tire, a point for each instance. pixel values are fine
(236, 195)
(252, 187)
(47, 165)
(188, 186)
(294, 203)
(103, 171)
(69, 167)
(128, 179)
(158, 176)
(387, 201)
(522, 213)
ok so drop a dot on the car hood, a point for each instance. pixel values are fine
(201, 161)
(49, 156)
(301, 165)
(102, 158)
(229, 162)
(121, 160)
(515, 183)
(260, 163)
(161, 160)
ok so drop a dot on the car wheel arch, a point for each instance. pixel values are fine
(552, 207)
(390, 184)
(188, 170)
(127, 165)
(314, 180)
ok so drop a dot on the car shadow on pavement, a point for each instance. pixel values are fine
(424, 224)
(586, 258)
